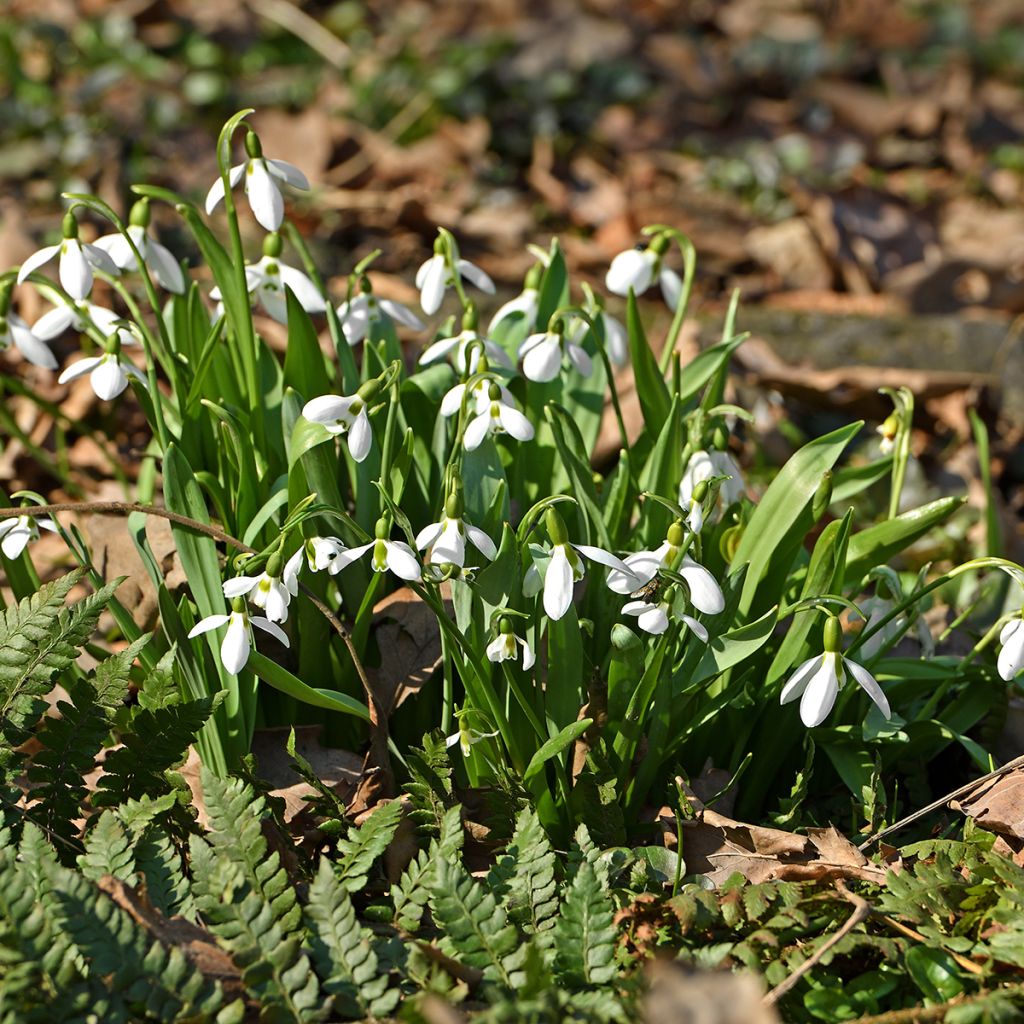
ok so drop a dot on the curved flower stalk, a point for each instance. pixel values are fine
(542, 354)
(506, 646)
(77, 261)
(347, 414)
(447, 537)
(436, 275)
(159, 260)
(639, 268)
(525, 304)
(109, 373)
(565, 568)
(466, 348)
(358, 315)
(654, 617)
(238, 640)
(14, 331)
(267, 278)
(261, 184)
(17, 532)
(818, 680)
(1011, 636)
(642, 566)
(393, 555)
(272, 590)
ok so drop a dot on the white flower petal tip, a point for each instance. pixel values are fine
(634, 269)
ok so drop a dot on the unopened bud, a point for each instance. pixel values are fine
(700, 491)
(720, 439)
(676, 534)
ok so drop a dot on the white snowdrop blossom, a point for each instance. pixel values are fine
(272, 590)
(542, 353)
(1011, 657)
(159, 260)
(14, 331)
(564, 568)
(525, 304)
(80, 316)
(359, 315)
(447, 537)
(109, 373)
(17, 532)
(495, 413)
(616, 340)
(640, 268)
(456, 347)
(506, 646)
(654, 618)
(702, 466)
(466, 737)
(887, 432)
(435, 277)
(818, 680)
(346, 414)
(261, 177)
(238, 640)
(642, 566)
(320, 552)
(76, 263)
(393, 555)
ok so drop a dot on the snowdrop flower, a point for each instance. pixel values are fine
(702, 466)
(505, 646)
(359, 315)
(77, 261)
(654, 618)
(321, 553)
(466, 736)
(14, 331)
(497, 415)
(238, 640)
(346, 414)
(387, 554)
(261, 184)
(435, 277)
(80, 316)
(887, 431)
(525, 303)
(818, 680)
(272, 590)
(565, 568)
(17, 532)
(705, 593)
(447, 538)
(542, 355)
(158, 259)
(108, 374)
(1011, 657)
(469, 342)
(639, 268)
(616, 341)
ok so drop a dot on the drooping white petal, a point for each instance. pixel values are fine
(264, 195)
(277, 602)
(641, 568)
(543, 359)
(207, 624)
(274, 303)
(272, 628)
(450, 545)
(630, 269)
(616, 340)
(351, 555)
(452, 401)
(497, 649)
(797, 682)
(579, 359)
(558, 584)
(532, 581)
(867, 682)
(1011, 657)
(53, 323)
(428, 535)
(79, 369)
(116, 246)
(34, 350)
(705, 593)
(109, 378)
(164, 267)
(328, 410)
(36, 260)
(472, 273)
(354, 317)
(290, 575)
(820, 693)
(603, 557)
(360, 436)
(289, 173)
(239, 586)
(514, 423)
(431, 282)
(234, 649)
(216, 194)
(401, 314)
(476, 431)
(653, 620)
(525, 303)
(438, 350)
(671, 287)
(305, 291)
(15, 539)
(699, 467)
(482, 542)
(1005, 633)
(402, 561)
(75, 269)
(99, 259)
(528, 656)
(695, 627)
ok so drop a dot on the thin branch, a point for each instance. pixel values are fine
(923, 1014)
(861, 912)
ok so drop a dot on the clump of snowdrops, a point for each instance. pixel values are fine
(601, 628)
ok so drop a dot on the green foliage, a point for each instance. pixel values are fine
(365, 844)
(430, 787)
(584, 933)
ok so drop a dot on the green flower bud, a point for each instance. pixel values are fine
(720, 438)
(139, 215)
(470, 318)
(365, 286)
(833, 635)
(275, 563)
(676, 534)
(253, 146)
(369, 391)
(69, 225)
(556, 527)
(700, 491)
(112, 344)
(272, 245)
(505, 625)
(453, 507)
(493, 392)
(238, 604)
(383, 528)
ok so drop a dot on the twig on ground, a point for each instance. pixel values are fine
(861, 912)
(924, 1014)
(966, 963)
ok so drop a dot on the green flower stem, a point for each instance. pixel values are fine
(524, 703)
(689, 270)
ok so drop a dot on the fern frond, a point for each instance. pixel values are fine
(108, 850)
(532, 890)
(430, 788)
(365, 844)
(476, 927)
(585, 932)
(343, 951)
(159, 864)
(411, 893)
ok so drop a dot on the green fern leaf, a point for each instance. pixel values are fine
(108, 850)
(411, 893)
(585, 932)
(365, 844)
(158, 862)
(476, 927)
(430, 788)
(532, 892)
(343, 951)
